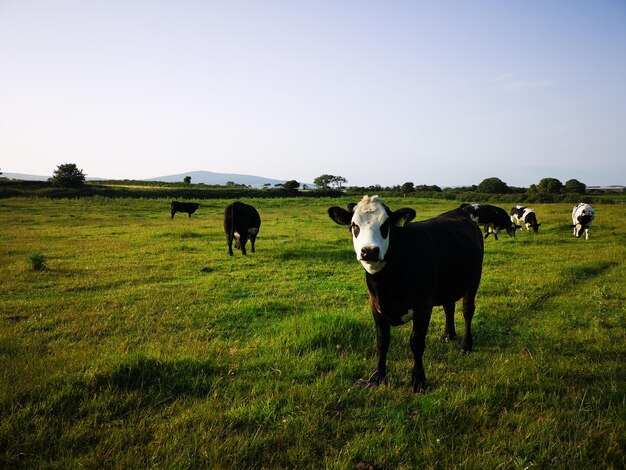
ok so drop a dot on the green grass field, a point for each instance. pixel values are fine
(142, 344)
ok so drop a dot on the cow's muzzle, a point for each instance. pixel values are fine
(370, 253)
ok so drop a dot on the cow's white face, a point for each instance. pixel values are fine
(370, 233)
(370, 223)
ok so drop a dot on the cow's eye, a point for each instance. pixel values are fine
(355, 230)
(384, 229)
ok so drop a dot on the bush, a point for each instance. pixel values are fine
(37, 261)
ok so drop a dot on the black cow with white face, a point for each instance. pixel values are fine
(241, 222)
(526, 216)
(412, 267)
(493, 218)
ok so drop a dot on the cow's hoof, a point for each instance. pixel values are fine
(373, 381)
(367, 466)
(446, 337)
(419, 387)
(367, 383)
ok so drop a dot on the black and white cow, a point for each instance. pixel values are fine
(188, 207)
(493, 218)
(526, 216)
(582, 217)
(411, 268)
(241, 221)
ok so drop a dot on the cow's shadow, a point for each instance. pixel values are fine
(184, 377)
(495, 332)
(328, 254)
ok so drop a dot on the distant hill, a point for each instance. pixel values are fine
(206, 177)
(21, 176)
(25, 177)
(209, 177)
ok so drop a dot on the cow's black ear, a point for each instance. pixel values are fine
(402, 216)
(539, 224)
(340, 215)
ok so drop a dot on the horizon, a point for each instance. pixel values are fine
(438, 93)
(233, 175)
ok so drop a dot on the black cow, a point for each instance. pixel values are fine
(241, 221)
(188, 207)
(410, 269)
(493, 218)
(526, 216)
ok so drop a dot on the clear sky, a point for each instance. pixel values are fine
(379, 92)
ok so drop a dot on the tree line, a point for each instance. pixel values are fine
(69, 177)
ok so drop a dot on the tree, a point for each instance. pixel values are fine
(323, 181)
(493, 185)
(67, 175)
(407, 188)
(574, 186)
(291, 185)
(550, 186)
(187, 180)
(329, 181)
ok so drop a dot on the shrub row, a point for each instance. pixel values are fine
(19, 188)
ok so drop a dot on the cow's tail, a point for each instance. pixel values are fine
(232, 220)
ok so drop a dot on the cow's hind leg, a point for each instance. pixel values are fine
(449, 332)
(252, 240)
(469, 306)
(229, 242)
(242, 244)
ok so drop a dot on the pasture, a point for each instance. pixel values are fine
(143, 344)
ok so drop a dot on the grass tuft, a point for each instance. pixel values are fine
(37, 261)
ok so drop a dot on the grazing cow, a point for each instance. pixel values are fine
(241, 221)
(188, 207)
(411, 268)
(582, 217)
(493, 218)
(524, 215)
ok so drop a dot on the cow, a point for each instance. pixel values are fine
(582, 217)
(241, 221)
(188, 207)
(409, 269)
(493, 218)
(526, 216)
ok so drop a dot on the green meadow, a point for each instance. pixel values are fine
(137, 342)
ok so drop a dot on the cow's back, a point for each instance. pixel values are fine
(457, 250)
(239, 217)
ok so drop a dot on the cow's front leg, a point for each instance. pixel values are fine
(383, 339)
(421, 319)
(469, 306)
